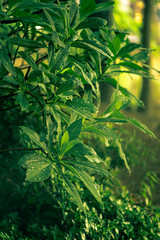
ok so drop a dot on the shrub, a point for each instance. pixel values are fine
(51, 66)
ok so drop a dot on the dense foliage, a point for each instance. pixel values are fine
(53, 57)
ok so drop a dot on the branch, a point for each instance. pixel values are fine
(19, 149)
(5, 109)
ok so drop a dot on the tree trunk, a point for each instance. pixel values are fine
(146, 36)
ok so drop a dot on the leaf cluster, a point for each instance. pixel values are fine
(51, 66)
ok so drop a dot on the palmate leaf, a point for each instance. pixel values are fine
(34, 137)
(38, 167)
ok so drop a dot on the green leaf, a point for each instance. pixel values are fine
(23, 100)
(128, 48)
(132, 65)
(141, 126)
(30, 158)
(83, 151)
(65, 139)
(27, 43)
(104, 6)
(87, 180)
(55, 39)
(50, 20)
(66, 144)
(38, 171)
(102, 130)
(94, 168)
(74, 129)
(10, 79)
(92, 22)
(74, 14)
(60, 59)
(7, 63)
(122, 155)
(83, 108)
(86, 7)
(33, 76)
(51, 54)
(91, 45)
(28, 59)
(65, 87)
(50, 131)
(38, 167)
(72, 190)
(34, 137)
(116, 43)
(123, 90)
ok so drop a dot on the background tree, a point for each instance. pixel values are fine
(145, 39)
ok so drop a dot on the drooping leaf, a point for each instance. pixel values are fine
(102, 130)
(94, 168)
(92, 22)
(27, 43)
(7, 63)
(124, 91)
(122, 155)
(127, 49)
(72, 190)
(88, 182)
(10, 79)
(141, 126)
(34, 137)
(92, 45)
(28, 59)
